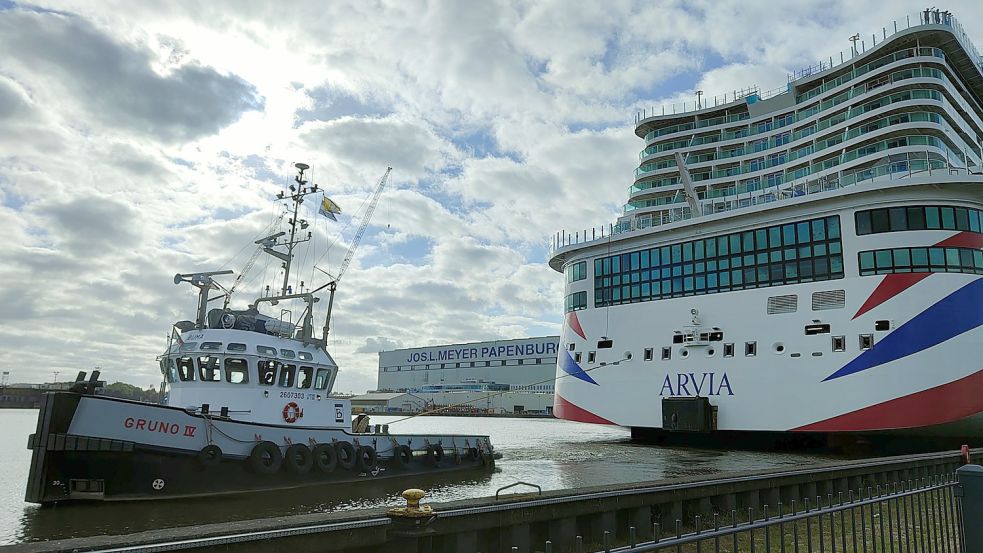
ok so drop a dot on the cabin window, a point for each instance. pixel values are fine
(648, 354)
(839, 343)
(591, 356)
(188, 346)
(322, 379)
(236, 371)
(186, 369)
(728, 350)
(305, 356)
(305, 375)
(266, 350)
(866, 341)
(287, 376)
(666, 354)
(267, 371)
(577, 357)
(205, 346)
(236, 347)
(208, 368)
(288, 354)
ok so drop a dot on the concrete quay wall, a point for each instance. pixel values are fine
(526, 521)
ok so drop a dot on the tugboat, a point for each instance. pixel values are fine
(245, 406)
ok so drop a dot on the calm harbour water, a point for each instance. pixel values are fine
(551, 453)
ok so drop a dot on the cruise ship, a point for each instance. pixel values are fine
(802, 265)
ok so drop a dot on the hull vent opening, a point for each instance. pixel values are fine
(688, 414)
(828, 299)
(783, 304)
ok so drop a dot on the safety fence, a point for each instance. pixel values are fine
(915, 516)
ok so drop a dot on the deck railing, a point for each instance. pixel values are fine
(767, 194)
(924, 17)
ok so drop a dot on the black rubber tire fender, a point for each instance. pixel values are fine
(438, 453)
(402, 455)
(209, 456)
(265, 458)
(473, 453)
(346, 455)
(366, 458)
(430, 456)
(298, 459)
(325, 458)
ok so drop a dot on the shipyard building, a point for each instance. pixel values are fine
(502, 376)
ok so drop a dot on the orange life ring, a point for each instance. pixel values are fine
(292, 412)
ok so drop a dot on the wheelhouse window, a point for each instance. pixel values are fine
(897, 219)
(288, 354)
(288, 374)
(236, 347)
(186, 369)
(208, 368)
(236, 371)
(206, 346)
(169, 369)
(267, 371)
(322, 379)
(189, 346)
(305, 356)
(265, 350)
(304, 376)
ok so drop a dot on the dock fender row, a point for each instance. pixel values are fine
(298, 459)
(265, 458)
(346, 455)
(325, 457)
(366, 458)
(209, 456)
(402, 455)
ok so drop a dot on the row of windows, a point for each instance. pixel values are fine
(921, 260)
(575, 301)
(896, 219)
(262, 350)
(236, 371)
(473, 364)
(577, 271)
(782, 254)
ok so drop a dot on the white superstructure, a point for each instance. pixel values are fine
(808, 261)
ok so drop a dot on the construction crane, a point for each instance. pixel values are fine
(332, 285)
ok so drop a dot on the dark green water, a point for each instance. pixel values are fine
(551, 453)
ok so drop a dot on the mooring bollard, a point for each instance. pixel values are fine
(970, 494)
(413, 520)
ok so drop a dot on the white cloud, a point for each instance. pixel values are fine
(142, 139)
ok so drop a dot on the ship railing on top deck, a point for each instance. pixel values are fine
(924, 17)
(672, 213)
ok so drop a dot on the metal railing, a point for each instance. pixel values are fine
(915, 516)
(767, 193)
(924, 17)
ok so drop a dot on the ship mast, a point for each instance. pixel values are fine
(297, 194)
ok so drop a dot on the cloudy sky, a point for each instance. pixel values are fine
(142, 139)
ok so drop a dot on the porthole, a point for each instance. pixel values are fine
(778, 348)
(684, 353)
(710, 352)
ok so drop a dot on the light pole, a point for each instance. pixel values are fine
(853, 42)
(699, 102)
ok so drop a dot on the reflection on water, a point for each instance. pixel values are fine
(551, 453)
